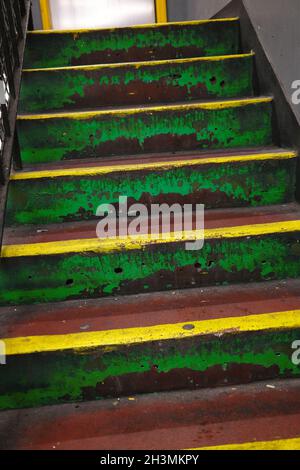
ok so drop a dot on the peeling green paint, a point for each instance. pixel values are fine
(55, 139)
(49, 378)
(55, 200)
(74, 89)
(131, 44)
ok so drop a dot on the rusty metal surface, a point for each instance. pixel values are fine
(131, 44)
(213, 219)
(77, 197)
(58, 137)
(133, 84)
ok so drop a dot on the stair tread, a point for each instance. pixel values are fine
(149, 159)
(214, 219)
(265, 412)
(148, 310)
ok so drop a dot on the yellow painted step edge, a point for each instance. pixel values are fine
(211, 105)
(138, 242)
(281, 444)
(137, 65)
(151, 25)
(111, 339)
(104, 170)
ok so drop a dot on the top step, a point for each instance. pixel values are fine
(59, 48)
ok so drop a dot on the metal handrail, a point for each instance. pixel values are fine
(15, 17)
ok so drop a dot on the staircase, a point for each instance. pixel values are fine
(139, 343)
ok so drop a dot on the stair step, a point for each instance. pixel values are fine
(146, 310)
(83, 87)
(132, 352)
(184, 127)
(68, 261)
(262, 416)
(217, 180)
(138, 43)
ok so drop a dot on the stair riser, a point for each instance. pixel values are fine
(75, 89)
(34, 279)
(132, 44)
(237, 184)
(165, 130)
(203, 361)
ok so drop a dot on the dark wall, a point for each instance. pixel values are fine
(276, 22)
(180, 10)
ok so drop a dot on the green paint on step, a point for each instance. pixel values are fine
(131, 44)
(58, 377)
(54, 200)
(168, 266)
(48, 91)
(55, 139)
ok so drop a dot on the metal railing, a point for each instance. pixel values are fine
(15, 16)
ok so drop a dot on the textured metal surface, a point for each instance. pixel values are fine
(178, 420)
(132, 44)
(225, 125)
(143, 83)
(62, 277)
(84, 273)
(89, 373)
(100, 13)
(146, 310)
(210, 337)
(232, 184)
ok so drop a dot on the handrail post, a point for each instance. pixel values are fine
(161, 11)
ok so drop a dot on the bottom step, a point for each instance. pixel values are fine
(258, 416)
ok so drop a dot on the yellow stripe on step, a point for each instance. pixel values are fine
(110, 339)
(138, 242)
(282, 444)
(211, 105)
(137, 65)
(104, 170)
(152, 25)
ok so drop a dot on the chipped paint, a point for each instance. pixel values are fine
(139, 83)
(215, 125)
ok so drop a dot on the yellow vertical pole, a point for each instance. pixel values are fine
(161, 11)
(46, 14)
